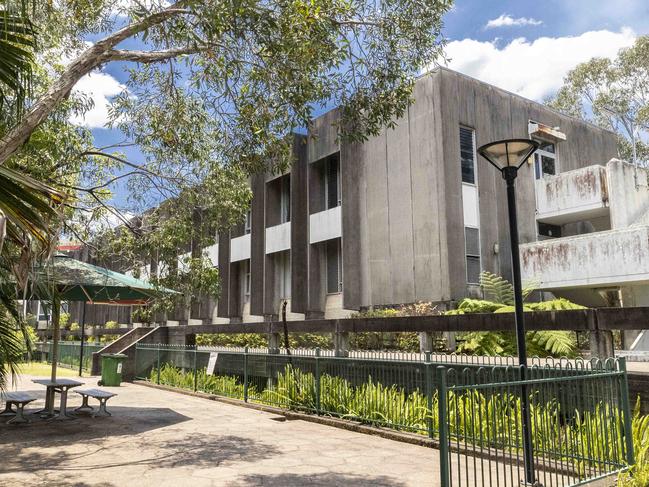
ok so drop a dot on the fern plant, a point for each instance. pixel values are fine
(499, 294)
(638, 474)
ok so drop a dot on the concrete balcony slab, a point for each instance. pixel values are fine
(325, 225)
(610, 258)
(572, 196)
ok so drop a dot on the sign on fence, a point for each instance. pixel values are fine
(211, 364)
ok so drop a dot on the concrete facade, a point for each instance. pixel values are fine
(392, 220)
(404, 206)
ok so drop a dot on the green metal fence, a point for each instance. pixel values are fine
(580, 410)
(580, 428)
(69, 353)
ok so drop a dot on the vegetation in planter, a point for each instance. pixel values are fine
(212, 384)
(500, 299)
(638, 475)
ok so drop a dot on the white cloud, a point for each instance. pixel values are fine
(506, 20)
(533, 69)
(100, 87)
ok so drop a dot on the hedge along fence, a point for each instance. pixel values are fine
(69, 353)
(580, 411)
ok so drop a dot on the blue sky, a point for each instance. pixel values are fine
(524, 46)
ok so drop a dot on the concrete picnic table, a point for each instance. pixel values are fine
(61, 386)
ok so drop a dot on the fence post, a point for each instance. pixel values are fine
(245, 374)
(195, 370)
(444, 467)
(158, 360)
(428, 369)
(317, 381)
(626, 408)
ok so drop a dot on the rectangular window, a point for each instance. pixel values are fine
(248, 223)
(334, 267)
(247, 281)
(332, 182)
(472, 246)
(284, 264)
(545, 160)
(467, 155)
(285, 199)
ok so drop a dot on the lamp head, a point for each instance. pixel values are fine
(508, 153)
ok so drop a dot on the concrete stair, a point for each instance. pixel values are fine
(124, 344)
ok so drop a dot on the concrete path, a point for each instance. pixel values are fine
(159, 438)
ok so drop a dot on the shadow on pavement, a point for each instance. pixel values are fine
(196, 450)
(319, 480)
(123, 422)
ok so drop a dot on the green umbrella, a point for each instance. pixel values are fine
(80, 281)
(74, 280)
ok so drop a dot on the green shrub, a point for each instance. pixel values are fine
(212, 384)
(64, 320)
(638, 475)
(374, 340)
(253, 340)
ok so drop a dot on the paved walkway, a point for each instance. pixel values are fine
(159, 438)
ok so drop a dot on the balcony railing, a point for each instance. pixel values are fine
(325, 225)
(572, 196)
(595, 259)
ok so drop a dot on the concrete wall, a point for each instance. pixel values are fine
(323, 137)
(299, 226)
(258, 244)
(629, 194)
(495, 114)
(393, 237)
(278, 238)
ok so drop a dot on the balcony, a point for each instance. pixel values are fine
(278, 238)
(240, 248)
(609, 258)
(325, 225)
(572, 196)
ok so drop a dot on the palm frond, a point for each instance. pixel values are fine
(17, 42)
(28, 205)
(13, 343)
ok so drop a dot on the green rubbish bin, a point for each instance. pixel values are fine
(111, 369)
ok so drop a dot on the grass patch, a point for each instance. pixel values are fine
(45, 369)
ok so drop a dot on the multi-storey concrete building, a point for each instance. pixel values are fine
(412, 214)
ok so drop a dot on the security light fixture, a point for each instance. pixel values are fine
(508, 156)
(511, 153)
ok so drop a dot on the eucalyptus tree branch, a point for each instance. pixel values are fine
(128, 163)
(151, 56)
(93, 57)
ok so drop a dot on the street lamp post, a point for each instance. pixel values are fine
(508, 156)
